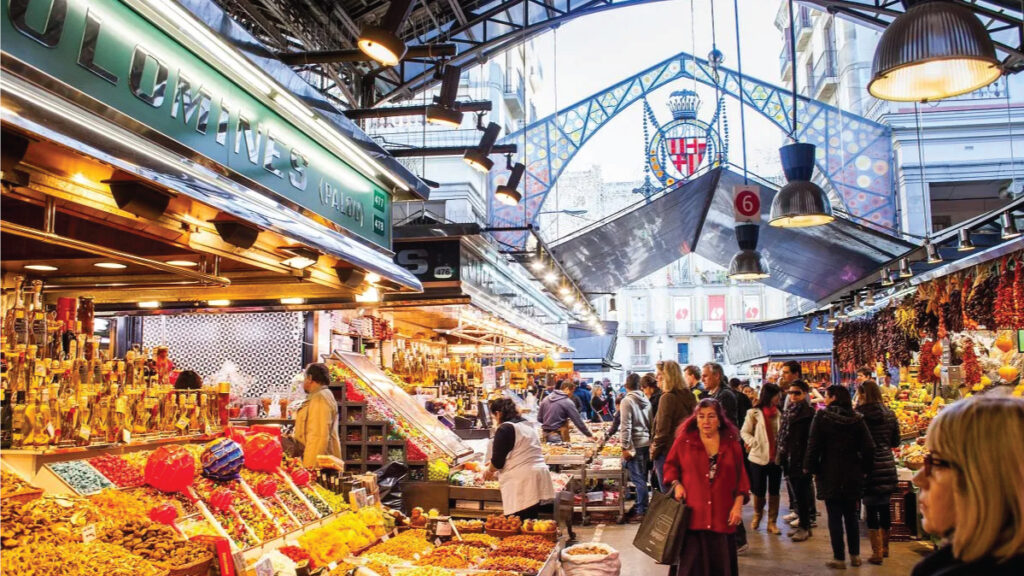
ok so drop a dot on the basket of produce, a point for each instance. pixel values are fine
(503, 526)
(469, 526)
(547, 529)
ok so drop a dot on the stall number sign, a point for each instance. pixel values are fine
(746, 203)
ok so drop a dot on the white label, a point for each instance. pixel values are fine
(126, 435)
(85, 433)
(746, 203)
(49, 430)
(89, 533)
(331, 566)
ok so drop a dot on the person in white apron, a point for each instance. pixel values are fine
(515, 456)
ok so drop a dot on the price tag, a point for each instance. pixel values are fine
(437, 542)
(265, 567)
(89, 533)
(385, 538)
(746, 203)
(49, 430)
(85, 432)
(182, 424)
(126, 435)
(331, 566)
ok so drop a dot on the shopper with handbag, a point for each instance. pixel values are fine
(705, 468)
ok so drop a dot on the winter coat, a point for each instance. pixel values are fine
(755, 435)
(885, 432)
(942, 563)
(730, 404)
(840, 453)
(316, 426)
(743, 406)
(655, 402)
(635, 415)
(709, 502)
(793, 435)
(674, 407)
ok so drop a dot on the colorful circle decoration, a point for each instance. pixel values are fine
(222, 459)
(170, 469)
(263, 452)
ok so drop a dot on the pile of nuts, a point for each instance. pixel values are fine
(512, 564)
(504, 523)
(449, 557)
(155, 542)
(53, 519)
(12, 485)
(532, 551)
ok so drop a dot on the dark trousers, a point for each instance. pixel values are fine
(765, 479)
(803, 498)
(878, 517)
(842, 513)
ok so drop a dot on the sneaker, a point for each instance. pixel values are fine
(800, 535)
(836, 564)
(795, 523)
(790, 517)
(743, 549)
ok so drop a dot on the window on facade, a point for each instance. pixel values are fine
(640, 347)
(683, 349)
(718, 349)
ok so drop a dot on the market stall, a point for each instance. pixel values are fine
(766, 345)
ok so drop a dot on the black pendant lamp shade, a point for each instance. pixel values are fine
(478, 157)
(507, 193)
(443, 111)
(748, 263)
(800, 203)
(382, 42)
(936, 49)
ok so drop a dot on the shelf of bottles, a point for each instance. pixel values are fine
(60, 390)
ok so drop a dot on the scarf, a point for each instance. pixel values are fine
(770, 412)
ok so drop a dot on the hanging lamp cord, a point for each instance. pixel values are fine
(792, 59)
(739, 71)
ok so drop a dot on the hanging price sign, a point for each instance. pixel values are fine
(746, 203)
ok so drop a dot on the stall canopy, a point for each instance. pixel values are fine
(776, 340)
(593, 352)
(698, 217)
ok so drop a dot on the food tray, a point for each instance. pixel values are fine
(551, 535)
(198, 568)
(502, 533)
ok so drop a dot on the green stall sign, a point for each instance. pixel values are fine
(106, 50)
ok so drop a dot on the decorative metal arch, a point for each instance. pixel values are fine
(853, 155)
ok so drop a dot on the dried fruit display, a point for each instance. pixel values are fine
(586, 550)
(406, 545)
(157, 543)
(128, 504)
(928, 362)
(424, 571)
(504, 523)
(512, 563)
(92, 559)
(927, 320)
(13, 485)
(50, 519)
(449, 557)
(297, 555)
(533, 550)
(972, 369)
(481, 540)
(980, 307)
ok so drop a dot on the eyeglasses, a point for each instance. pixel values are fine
(930, 461)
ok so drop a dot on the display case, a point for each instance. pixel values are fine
(378, 418)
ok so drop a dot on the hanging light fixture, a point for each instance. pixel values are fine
(932, 252)
(478, 157)
(832, 319)
(800, 203)
(748, 263)
(934, 50)
(807, 323)
(537, 263)
(507, 193)
(382, 42)
(886, 275)
(857, 308)
(443, 111)
(1009, 226)
(841, 312)
(870, 300)
(905, 271)
(965, 244)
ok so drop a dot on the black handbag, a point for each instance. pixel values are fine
(661, 533)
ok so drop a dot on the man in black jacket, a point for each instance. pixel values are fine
(792, 446)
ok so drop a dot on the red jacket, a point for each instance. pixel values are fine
(687, 463)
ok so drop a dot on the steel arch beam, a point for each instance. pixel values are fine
(854, 154)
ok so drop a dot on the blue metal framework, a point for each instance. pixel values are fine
(854, 154)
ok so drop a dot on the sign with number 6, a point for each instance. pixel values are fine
(746, 203)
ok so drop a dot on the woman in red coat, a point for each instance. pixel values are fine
(705, 468)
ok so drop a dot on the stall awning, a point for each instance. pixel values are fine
(783, 339)
(593, 352)
(697, 216)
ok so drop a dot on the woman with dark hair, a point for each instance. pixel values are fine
(882, 480)
(524, 478)
(760, 435)
(188, 380)
(705, 468)
(316, 420)
(840, 453)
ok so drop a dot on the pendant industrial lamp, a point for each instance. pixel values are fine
(965, 243)
(507, 193)
(1010, 230)
(800, 203)
(478, 157)
(443, 111)
(748, 263)
(936, 49)
(932, 252)
(382, 42)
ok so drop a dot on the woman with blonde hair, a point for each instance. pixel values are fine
(971, 488)
(675, 406)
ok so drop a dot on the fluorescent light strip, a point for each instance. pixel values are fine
(230, 60)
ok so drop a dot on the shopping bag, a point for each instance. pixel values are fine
(662, 530)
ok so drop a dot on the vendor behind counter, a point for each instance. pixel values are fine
(515, 456)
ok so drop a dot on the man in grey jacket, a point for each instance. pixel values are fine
(635, 436)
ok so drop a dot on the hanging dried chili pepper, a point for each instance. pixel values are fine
(1005, 310)
(972, 369)
(927, 362)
